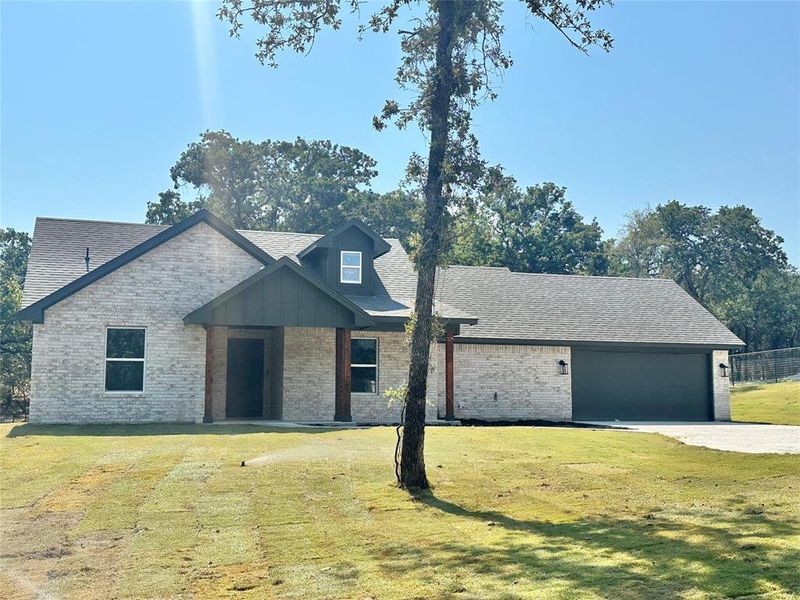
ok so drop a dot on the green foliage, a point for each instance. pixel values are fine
(473, 54)
(394, 214)
(533, 230)
(15, 337)
(766, 314)
(170, 209)
(727, 260)
(437, 327)
(396, 395)
(306, 186)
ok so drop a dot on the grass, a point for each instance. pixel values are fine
(767, 403)
(167, 512)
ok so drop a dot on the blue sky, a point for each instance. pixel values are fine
(698, 102)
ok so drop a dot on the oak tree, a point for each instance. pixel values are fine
(451, 52)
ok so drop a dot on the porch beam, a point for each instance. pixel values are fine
(449, 378)
(343, 384)
(208, 416)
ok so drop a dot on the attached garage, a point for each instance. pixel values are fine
(610, 384)
(631, 349)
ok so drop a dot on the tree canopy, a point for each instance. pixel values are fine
(15, 337)
(534, 230)
(300, 185)
(727, 260)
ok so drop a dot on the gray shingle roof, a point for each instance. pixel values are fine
(60, 244)
(554, 308)
(514, 306)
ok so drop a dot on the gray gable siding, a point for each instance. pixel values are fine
(353, 240)
(281, 295)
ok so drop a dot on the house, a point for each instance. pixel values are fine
(200, 322)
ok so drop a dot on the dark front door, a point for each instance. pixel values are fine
(245, 384)
(640, 386)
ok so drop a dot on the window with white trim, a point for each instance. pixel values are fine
(364, 365)
(125, 359)
(350, 267)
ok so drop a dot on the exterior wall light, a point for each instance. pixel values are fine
(563, 367)
(723, 369)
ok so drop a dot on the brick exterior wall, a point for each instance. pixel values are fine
(721, 386)
(158, 289)
(309, 377)
(393, 358)
(526, 380)
(309, 374)
(154, 291)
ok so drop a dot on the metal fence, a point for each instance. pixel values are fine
(768, 365)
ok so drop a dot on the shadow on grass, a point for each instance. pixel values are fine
(157, 429)
(652, 557)
(747, 387)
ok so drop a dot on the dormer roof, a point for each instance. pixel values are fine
(380, 245)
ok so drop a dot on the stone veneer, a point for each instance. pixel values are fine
(154, 291)
(508, 382)
(721, 386)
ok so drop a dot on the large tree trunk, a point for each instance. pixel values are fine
(412, 460)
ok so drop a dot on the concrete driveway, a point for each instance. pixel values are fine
(736, 437)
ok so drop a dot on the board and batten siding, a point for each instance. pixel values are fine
(154, 291)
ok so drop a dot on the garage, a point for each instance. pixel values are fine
(610, 384)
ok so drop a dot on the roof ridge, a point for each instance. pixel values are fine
(476, 267)
(626, 277)
(100, 221)
(277, 232)
(573, 275)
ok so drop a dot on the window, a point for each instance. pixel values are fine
(350, 270)
(364, 365)
(124, 359)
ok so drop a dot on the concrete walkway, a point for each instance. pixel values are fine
(736, 437)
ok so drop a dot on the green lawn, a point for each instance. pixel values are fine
(767, 403)
(166, 511)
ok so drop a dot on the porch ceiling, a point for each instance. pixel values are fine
(282, 294)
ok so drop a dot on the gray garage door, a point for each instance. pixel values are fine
(640, 386)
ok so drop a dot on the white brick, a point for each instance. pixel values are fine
(154, 291)
(508, 382)
(722, 391)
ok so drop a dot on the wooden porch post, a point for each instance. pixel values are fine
(208, 416)
(342, 411)
(448, 378)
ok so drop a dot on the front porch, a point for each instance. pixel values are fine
(304, 375)
(282, 345)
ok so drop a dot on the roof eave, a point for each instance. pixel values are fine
(35, 312)
(596, 343)
(381, 245)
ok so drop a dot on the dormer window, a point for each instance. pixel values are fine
(350, 267)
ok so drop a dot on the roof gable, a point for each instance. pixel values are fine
(35, 311)
(380, 246)
(283, 294)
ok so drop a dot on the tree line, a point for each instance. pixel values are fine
(726, 259)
